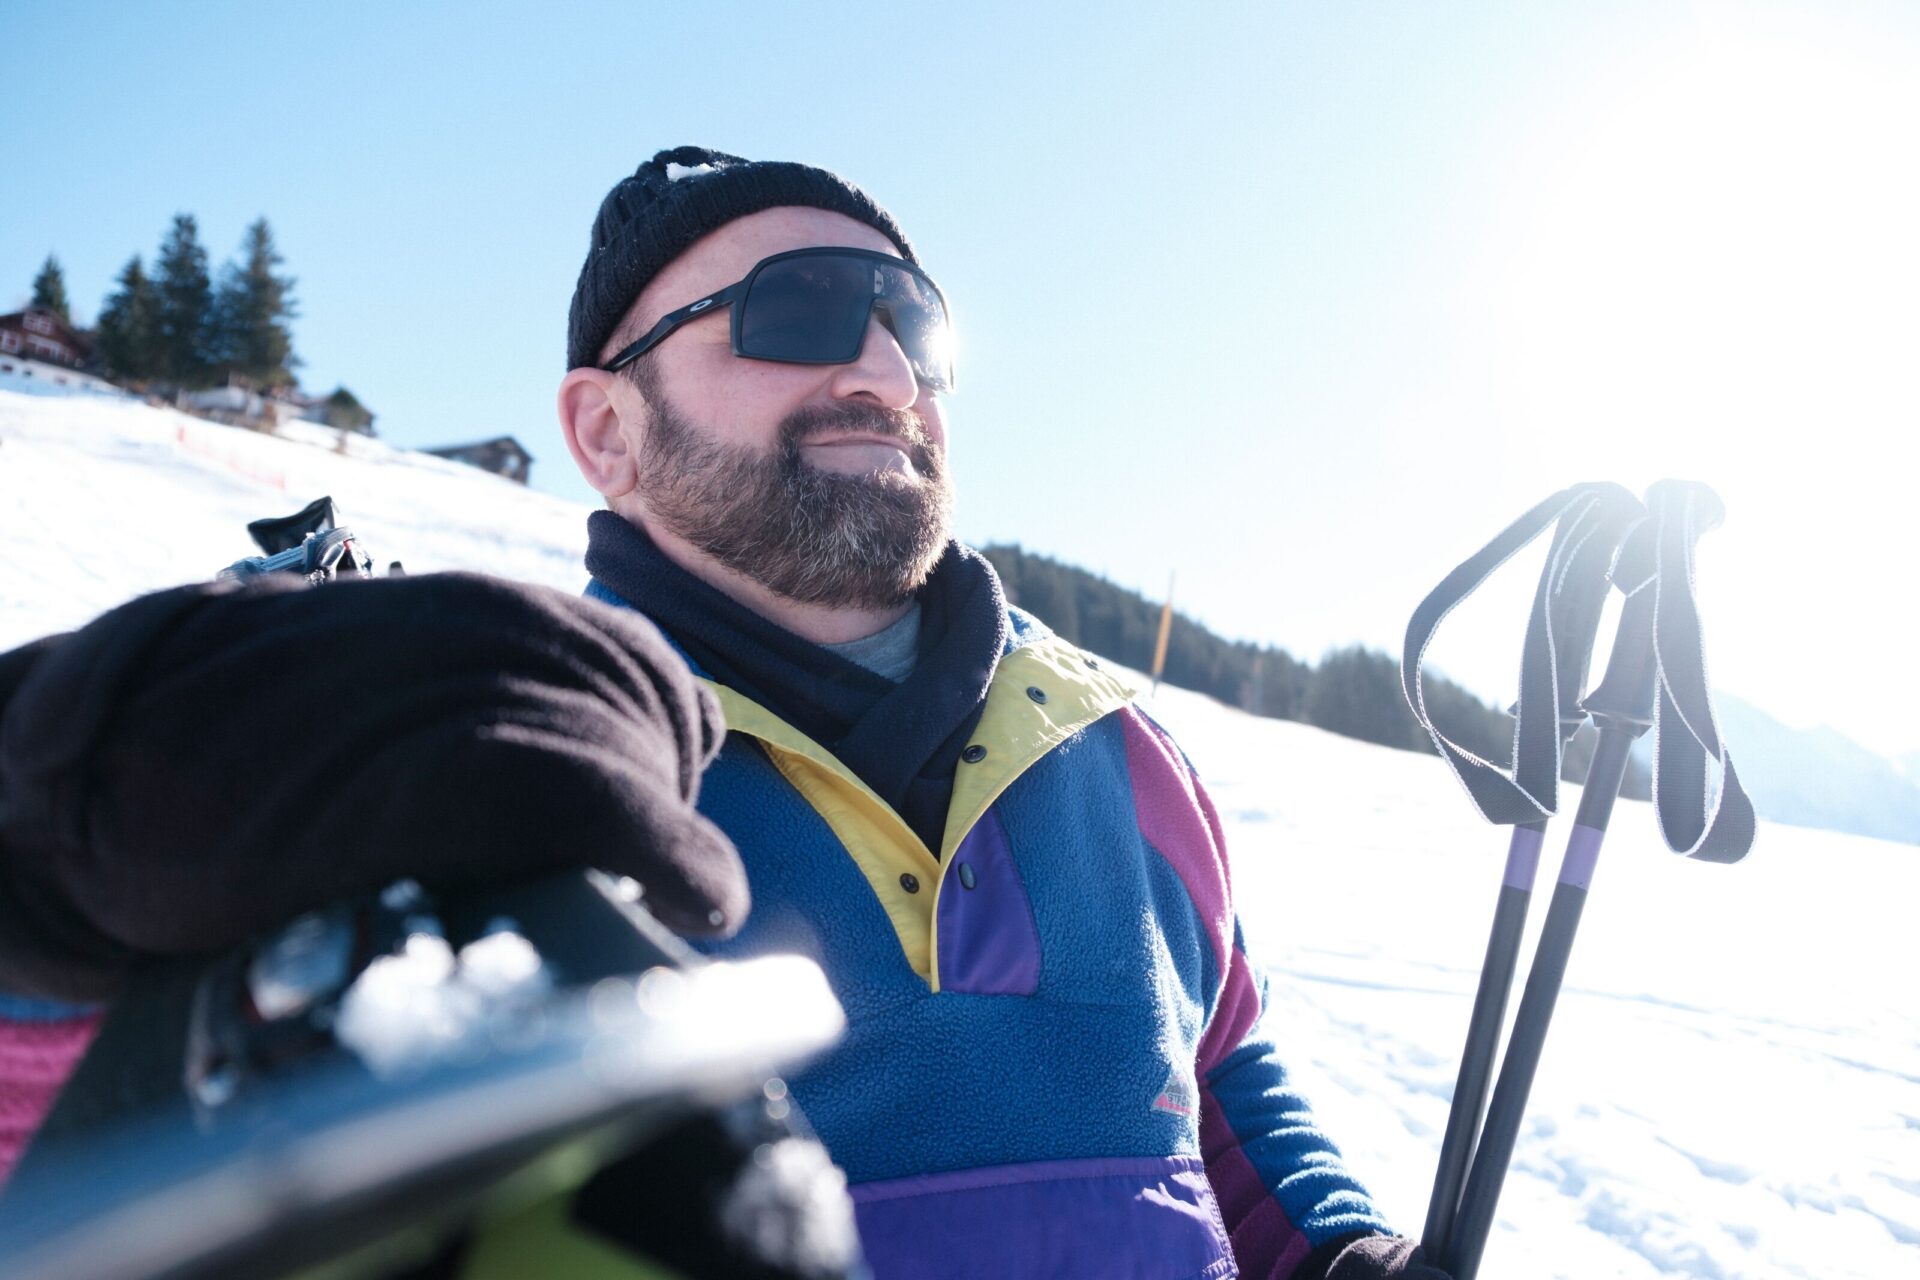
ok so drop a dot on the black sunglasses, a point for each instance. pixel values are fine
(811, 306)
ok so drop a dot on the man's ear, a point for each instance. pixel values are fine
(595, 435)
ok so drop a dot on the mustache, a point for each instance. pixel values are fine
(903, 425)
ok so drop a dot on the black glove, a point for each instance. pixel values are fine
(1369, 1258)
(203, 763)
(734, 1194)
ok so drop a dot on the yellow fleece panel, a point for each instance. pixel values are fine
(1016, 730)
(881, 843)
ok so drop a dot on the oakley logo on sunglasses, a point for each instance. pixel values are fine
(812, 306)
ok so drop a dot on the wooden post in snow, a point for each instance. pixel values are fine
(1166, 629)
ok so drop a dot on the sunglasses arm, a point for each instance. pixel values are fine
(671, 321)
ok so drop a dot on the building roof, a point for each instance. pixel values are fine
(457, 450)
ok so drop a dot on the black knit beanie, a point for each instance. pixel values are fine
(672, 200)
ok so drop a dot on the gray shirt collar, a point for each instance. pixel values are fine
(893, 651)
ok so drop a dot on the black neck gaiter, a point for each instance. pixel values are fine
(903, 740)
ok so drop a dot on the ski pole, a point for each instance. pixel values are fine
(1483, 1033)
(1656, 676)
(1622, 709)
(1591, 521)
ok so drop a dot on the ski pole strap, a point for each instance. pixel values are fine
(1589, 522)
(1711, 822)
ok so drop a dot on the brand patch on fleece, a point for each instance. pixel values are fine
(1177, 1095)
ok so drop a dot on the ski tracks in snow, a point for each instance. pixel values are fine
(1636, 1158)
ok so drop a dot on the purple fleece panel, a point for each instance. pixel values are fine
(1233, 1016)
(35, 1060)
(1523, 857)
(1267, 1245)
(989, 944)
(1147, 1218)
(1178, 820)
(1583, 851)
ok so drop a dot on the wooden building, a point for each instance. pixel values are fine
(504, 456)
(39, 334)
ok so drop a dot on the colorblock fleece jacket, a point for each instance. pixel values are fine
(1055, 1063)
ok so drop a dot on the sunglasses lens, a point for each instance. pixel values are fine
(913, 312)
(813, 309)
(809, 309)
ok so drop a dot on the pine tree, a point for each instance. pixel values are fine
(50, 289)
(186, 328)
(346, 413)
(1356, 691)
(129, 331)
(252, 311)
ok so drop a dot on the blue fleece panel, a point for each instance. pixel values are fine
(29, 1009)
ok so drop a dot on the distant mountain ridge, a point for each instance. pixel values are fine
(1819, 777)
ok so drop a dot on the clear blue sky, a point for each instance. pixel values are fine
(1299, 301)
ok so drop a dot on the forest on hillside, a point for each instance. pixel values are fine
(1353, 691)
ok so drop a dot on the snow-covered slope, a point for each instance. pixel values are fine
(101, 499)
(1732, 1088)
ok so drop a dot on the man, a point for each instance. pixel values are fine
(1055, 1063)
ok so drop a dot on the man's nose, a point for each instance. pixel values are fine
(882, 371)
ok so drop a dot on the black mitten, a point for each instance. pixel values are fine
(202, 763)
(1370, 1258)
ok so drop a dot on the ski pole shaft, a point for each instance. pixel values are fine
(1522, 1061)
(1483, 1033)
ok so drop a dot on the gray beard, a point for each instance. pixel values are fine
(812, 536)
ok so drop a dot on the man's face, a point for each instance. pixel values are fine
(827, 484)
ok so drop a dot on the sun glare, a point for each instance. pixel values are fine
(1708, 266)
